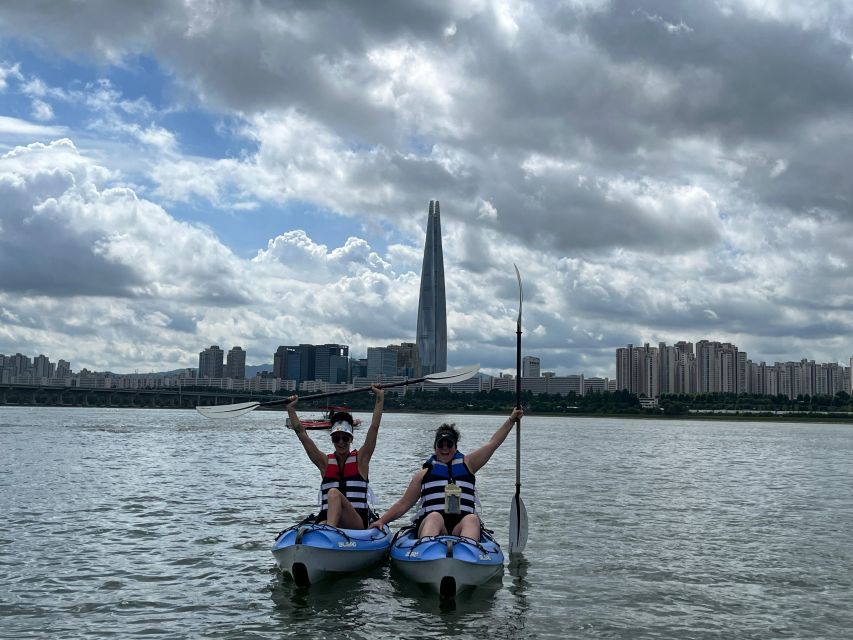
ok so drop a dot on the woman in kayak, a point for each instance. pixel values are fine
(445, 485)
(344, 488)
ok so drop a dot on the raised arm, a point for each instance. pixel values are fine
(314, 453)
(479, 457)
(367, 448)
(406, 502)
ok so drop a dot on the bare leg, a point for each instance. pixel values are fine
(340, 512)
(432, 525)
(468, 527)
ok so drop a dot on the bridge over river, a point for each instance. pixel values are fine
(179, 398)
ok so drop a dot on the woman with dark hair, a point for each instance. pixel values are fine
(345, 492)
(445, 486)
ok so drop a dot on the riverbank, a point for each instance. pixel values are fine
(714, 415)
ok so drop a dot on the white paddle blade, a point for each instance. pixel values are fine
(228, 410)
(454, 375)
(517, 526)
(520, 293)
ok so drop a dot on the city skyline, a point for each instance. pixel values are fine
(255, 174)
(666, 369)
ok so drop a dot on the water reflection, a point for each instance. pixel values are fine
(664, 529)
(480, 601)
(344, 604)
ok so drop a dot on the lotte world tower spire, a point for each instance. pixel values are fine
(432, 309)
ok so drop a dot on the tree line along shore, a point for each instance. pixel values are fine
(727, 406)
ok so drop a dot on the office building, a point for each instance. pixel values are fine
(295, 362)
(382, 361)
(358, 368)
(331, 363)
(432, 311)
(530, 367)
(408, 360)
(309, 362)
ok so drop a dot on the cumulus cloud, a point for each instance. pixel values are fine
(667, 172)
(67, 233)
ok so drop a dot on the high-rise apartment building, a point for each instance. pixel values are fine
(235, 366)
(432, 309)
(627, 370)
(685, 368)
(210, 362)
(19, 363)
(63, 369)
(43, 367)
(637, 370)
(719, 367)
(667, 369)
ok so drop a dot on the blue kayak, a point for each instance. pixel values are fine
(448, 564)
(312, 552)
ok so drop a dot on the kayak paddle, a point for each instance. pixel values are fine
(517, 513)
(234, 410)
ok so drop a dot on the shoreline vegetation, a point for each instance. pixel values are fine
(618, 404)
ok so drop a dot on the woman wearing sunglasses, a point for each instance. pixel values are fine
(445, 485)
(345, 492)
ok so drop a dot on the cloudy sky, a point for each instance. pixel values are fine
(180, 174)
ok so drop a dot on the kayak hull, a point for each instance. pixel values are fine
(310, 553)
(447, 564)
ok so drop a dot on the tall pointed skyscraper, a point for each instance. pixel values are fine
(432, 309)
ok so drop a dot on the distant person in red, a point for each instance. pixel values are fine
(346, 497)
(445, 486)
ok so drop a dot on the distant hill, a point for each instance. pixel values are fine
(251, 370)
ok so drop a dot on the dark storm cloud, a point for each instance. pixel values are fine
(766, 75)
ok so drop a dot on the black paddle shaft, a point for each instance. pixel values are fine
(518, 388)
(331, 394)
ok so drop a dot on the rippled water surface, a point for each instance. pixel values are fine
(158, 523)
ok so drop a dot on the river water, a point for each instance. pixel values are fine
(158, 523)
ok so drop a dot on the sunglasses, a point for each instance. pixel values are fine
(340, 438)
(445, 443)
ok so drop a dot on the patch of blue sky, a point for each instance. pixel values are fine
(44, 64)
(419, 145)
(15, 105)
(247, 231)
(202, 134)
(141, 78)
(62, 83)
(136, 77)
